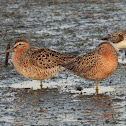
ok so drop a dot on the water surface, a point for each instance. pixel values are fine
(65, 26)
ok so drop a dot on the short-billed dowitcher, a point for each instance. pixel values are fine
(96, 65)
(117, 39)
(36, 63)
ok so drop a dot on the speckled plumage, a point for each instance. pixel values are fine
(37, 63)
(97, 65)
(116, 37)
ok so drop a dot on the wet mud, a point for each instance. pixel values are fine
(71, 27)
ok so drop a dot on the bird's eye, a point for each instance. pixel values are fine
(19, 44)
(101, 48)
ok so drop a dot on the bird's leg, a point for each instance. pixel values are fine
(41, 84)
(97, 87)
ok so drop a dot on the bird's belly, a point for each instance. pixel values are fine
(101, 72)
(36, 73)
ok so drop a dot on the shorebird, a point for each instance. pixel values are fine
(117, 39)
(36, 63)
(96, 65)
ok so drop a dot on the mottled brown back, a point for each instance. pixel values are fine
(83, 63)
(116, 37)
(46, 58)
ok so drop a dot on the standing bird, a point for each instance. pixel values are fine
(36, 63)
(96, 65)
(117, 39)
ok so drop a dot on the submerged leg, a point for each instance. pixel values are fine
(97, 87)
(41, 84)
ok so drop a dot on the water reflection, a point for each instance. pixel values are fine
(100, 109)
(49, 104)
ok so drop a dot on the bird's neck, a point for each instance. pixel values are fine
(18, 55)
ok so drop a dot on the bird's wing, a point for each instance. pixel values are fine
(115, 37)
(82, 64)
(46, 58)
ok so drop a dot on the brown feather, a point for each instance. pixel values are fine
(115, 37)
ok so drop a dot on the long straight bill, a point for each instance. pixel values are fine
(9, 50)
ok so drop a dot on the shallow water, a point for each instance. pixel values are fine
(66, 99)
